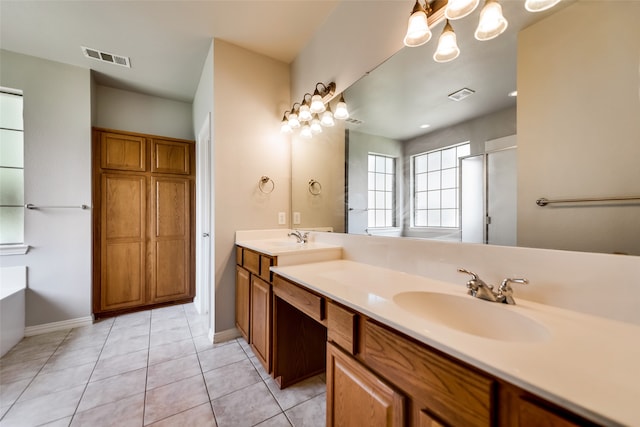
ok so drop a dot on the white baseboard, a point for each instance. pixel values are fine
(223, 336)
(30, 331)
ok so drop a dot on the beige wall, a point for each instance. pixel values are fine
(579, 127)
(320, 158)
(250, 93)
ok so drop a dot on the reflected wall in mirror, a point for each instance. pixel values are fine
(576, 125)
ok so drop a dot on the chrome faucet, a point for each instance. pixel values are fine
(479, 289)
(300, 236)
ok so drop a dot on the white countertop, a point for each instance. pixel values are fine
(279, 247)
(588, 364)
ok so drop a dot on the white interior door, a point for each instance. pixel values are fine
(472, 216)
(203, 218)
(502, 201)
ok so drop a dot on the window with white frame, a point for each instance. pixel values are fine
(382, 191)
(11, 167)
(435, 186)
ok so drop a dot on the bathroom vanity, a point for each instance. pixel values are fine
(407, 350)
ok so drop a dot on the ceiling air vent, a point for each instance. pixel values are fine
(461, 94)
(110, 58)
(353, 121)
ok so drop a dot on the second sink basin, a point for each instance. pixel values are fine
(472, 316)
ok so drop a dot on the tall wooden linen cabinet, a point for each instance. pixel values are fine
(143, 221)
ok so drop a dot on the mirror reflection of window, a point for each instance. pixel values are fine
(11, 167)
(435, 187)
(382, 191)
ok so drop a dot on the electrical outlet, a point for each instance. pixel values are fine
(282, 218)
(296, 218)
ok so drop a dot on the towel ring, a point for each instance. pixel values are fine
(315, 187)
(264, 181)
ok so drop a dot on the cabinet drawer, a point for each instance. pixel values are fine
(265, 264)
(451, 392)
(238, 255)
(303, 300)
(341, 326)
(251, 261)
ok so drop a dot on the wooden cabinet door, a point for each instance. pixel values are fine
(170, 157)
(357, 397)
(122, 242)
(123, 152)
(170, 243)
(243, 294)
(532, 415)
(260, 320)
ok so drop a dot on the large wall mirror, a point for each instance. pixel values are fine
(572, 132)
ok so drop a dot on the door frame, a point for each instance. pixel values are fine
(202, 300)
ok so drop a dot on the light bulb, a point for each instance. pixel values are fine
(284, 125)
(539, 5)
(294, 123)
(305, 132)
(341, 110)
(317, 106)
(304, 115)
(327, 118)
(457, 9)
(315, 125)
(418, 32)
(491, 23)
(447, 45)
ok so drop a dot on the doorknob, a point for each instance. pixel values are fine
(205, 234)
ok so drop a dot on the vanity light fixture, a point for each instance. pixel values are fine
(315, 126)
(285, 127)
(305, 132)
(304, 115)
(314, 112)
(294, 123)
(539, 5)
(327, 117)
(447, 45)
(341, 109)
(457, 9)
(492, 23)
(418, 32)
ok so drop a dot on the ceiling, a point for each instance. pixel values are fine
(411, 89)
(167, 41)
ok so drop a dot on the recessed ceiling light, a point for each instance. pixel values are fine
(424, 126)
(461, 94)
(513, 94)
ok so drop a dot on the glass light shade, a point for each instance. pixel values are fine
(457, 9)
(539, 5)
(317, 106)
(285, 127)
(327, 119)
(305, 132)
(418, 32)
(341, 110)
(492, 23)
(315, 126)
(304, 115)
(447, 45)
(294, 123)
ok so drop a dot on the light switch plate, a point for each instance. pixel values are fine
(296, 218)
(282, 218)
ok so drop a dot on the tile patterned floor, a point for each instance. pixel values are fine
(152, 368)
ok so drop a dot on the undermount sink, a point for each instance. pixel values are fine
(472, 316)
(284, 243)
